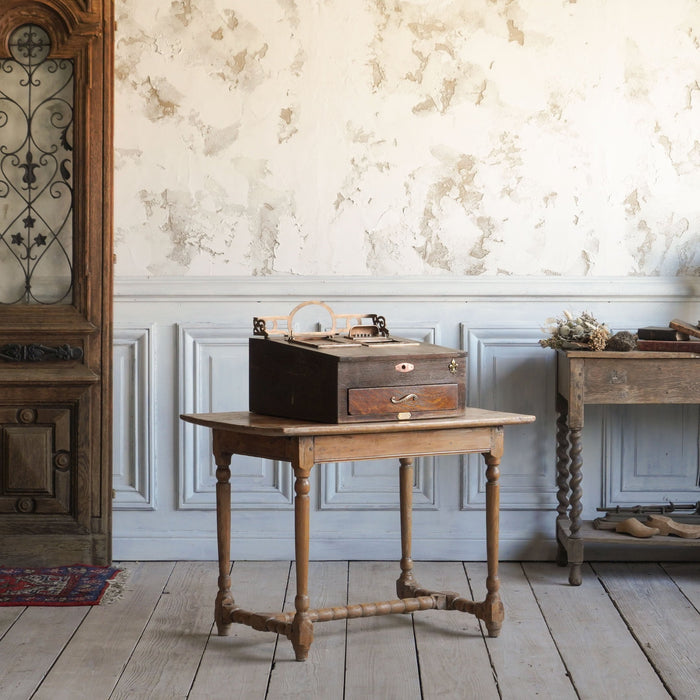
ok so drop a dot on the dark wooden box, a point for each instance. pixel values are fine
(355, 382)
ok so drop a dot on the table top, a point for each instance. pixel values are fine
(253, 423)
(631, 355)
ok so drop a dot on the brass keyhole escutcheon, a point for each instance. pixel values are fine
(453, 366)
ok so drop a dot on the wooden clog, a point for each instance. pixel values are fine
(668, 526)
(633, 527)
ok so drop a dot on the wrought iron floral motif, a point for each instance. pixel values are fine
(15, 352)
(36, 130)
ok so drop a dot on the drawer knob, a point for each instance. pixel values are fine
(403, 399)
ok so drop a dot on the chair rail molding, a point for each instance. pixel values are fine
(405, 288)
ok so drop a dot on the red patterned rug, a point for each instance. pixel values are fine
(58, 585)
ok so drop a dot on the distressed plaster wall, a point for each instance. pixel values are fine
(384, 137)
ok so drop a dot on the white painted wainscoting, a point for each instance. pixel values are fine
(181, 346)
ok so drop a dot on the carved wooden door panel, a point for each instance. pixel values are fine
(55, 281)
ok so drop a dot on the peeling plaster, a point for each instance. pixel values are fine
(231, 19)
(186, 240)
(162, 99)
(587, 261)
(504, 137)
(632, 203)
(488, 227)
(288, 127)
(515, 34)
(217, 140)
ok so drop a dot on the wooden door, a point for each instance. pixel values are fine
(55, 281)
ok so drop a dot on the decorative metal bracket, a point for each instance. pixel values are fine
(14, 352)
(351, 324)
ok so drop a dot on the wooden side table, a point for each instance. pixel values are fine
(304, 444)
(607, 378)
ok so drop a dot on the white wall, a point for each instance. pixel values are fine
(466, 168)
(479, 137)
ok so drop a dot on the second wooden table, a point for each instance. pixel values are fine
(607, 378)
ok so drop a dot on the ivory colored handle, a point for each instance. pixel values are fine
(403, 399)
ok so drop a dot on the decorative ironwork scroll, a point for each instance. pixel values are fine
(15, 352)
(36, 189)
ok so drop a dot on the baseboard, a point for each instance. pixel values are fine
(328, 549)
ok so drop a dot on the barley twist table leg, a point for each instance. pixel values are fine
(302, 633)
(576, 542)
(562, 473)
(406, 583)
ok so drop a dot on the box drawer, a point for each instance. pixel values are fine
(383, 400)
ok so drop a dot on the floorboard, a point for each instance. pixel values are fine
(631, 630)
(686, 576)
(238, 666)
(381, 651)
(164, 662)
(32, 644)
(90, 668)
(454, 660)
(524, 655)
(602, 658)
(8, 616)
(323, 673)
(663, 621)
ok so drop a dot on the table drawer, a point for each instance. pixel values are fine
(382, 400)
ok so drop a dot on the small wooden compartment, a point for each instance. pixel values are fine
(391, 399)
(352, 376)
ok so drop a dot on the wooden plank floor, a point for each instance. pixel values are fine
(630, 631)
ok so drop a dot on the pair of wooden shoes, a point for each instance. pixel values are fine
(658, 525)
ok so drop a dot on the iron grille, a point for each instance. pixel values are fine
(36, 188)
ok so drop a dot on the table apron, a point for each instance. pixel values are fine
(639, 381)
(227, 443)
(336, 448)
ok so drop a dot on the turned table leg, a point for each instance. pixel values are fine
(491, 610)
(224, 599)
(406, 582)
(302, 633)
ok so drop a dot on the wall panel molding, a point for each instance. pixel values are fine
(201, 327)
(640, 466)
(134, 464)
(213, 377)
(375, 485)
(510, 371)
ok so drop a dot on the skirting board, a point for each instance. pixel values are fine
(204, 549)
(326, 549)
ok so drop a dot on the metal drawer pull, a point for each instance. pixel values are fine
(403, 399)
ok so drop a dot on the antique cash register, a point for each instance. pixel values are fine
(356, 371)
